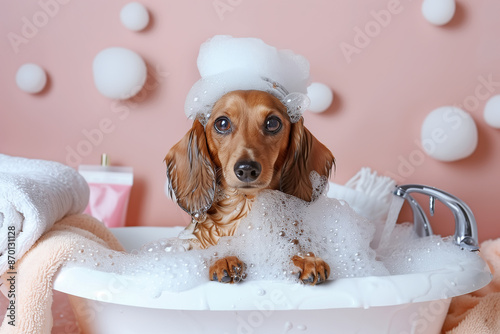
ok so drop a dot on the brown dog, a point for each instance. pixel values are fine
(247, 145)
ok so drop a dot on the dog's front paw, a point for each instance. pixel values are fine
(227, 270)
(312, 270)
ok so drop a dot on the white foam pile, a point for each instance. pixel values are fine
(227, 64)
(279, 227)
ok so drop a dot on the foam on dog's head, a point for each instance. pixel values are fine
(227, 64)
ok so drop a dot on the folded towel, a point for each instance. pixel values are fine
(36, 269)
(34, 194)
(478, 311)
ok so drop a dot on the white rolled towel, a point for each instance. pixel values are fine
(34, 194)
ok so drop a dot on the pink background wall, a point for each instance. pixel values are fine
(381, 96)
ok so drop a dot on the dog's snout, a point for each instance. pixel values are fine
(247, 171)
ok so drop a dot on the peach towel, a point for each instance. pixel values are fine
(478, 312)
(36, 269)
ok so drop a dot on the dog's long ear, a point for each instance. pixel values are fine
(191, 172)
(305, 154)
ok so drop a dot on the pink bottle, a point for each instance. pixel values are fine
(109, 191)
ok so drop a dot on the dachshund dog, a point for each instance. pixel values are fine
(248, 144)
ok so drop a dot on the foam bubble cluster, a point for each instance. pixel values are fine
(407, 253)
(278, 227)
(163, 264)
(281, 226)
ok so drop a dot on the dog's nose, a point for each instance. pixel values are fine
(247, 171)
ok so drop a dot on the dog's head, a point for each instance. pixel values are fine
(248, 144)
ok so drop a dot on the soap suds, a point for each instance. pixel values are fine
(278, 227)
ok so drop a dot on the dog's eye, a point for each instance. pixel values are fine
(222, 125)
(273, 124)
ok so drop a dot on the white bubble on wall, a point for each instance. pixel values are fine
(492, 112)
(438, 12)
(134, 16)
(321, 97)
(119, 73)
(449, 134)
(31, 78)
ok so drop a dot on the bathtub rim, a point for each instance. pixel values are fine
(357, 292)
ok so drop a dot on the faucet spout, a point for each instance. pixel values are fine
(465, 224)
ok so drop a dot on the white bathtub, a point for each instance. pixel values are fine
(107, 303)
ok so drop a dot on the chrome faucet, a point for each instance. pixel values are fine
(465, 223)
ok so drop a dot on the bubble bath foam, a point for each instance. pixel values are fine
(404, 286)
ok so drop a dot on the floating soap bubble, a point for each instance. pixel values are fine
(134, 16)
(449, 134)
(119, 73)
(438, 12)
(31, 78)
(492, 112)
(321, 97)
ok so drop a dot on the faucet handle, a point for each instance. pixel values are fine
(432, 202)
